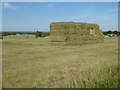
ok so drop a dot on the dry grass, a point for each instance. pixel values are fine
(0, 64)
(32, 62)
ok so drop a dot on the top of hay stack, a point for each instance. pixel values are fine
(60, 23)
(74, 25)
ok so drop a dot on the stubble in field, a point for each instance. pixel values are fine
(32, 62)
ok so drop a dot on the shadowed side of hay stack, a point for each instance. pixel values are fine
(90, 33)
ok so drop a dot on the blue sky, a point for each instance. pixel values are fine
(33, 16)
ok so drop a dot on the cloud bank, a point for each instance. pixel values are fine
(7, 5)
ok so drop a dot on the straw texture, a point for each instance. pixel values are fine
(75, 33)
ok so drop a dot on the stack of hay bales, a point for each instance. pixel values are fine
(58, 34)
(74, 33)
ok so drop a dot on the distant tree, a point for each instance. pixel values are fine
(38, 34)
(104, 32)
(119, 33)
(115, 32)
(8, 33)
(4, 34)
(14, 33)
(109, 32)
(1, 36)
(44, 34)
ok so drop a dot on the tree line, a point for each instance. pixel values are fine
(44, 34)
(111, 32)
(37, 34)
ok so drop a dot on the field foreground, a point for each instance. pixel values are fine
(32, 62)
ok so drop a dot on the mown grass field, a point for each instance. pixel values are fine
(32, 62)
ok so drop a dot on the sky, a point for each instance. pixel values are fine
(37, 16)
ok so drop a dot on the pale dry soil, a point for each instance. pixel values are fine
(33, 62)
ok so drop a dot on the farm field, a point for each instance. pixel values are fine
(34, 63)
(0, 64)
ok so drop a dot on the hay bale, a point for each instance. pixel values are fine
(75, 33)
(57, 38)
(73, 37)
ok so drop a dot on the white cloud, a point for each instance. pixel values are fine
(7, 5)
